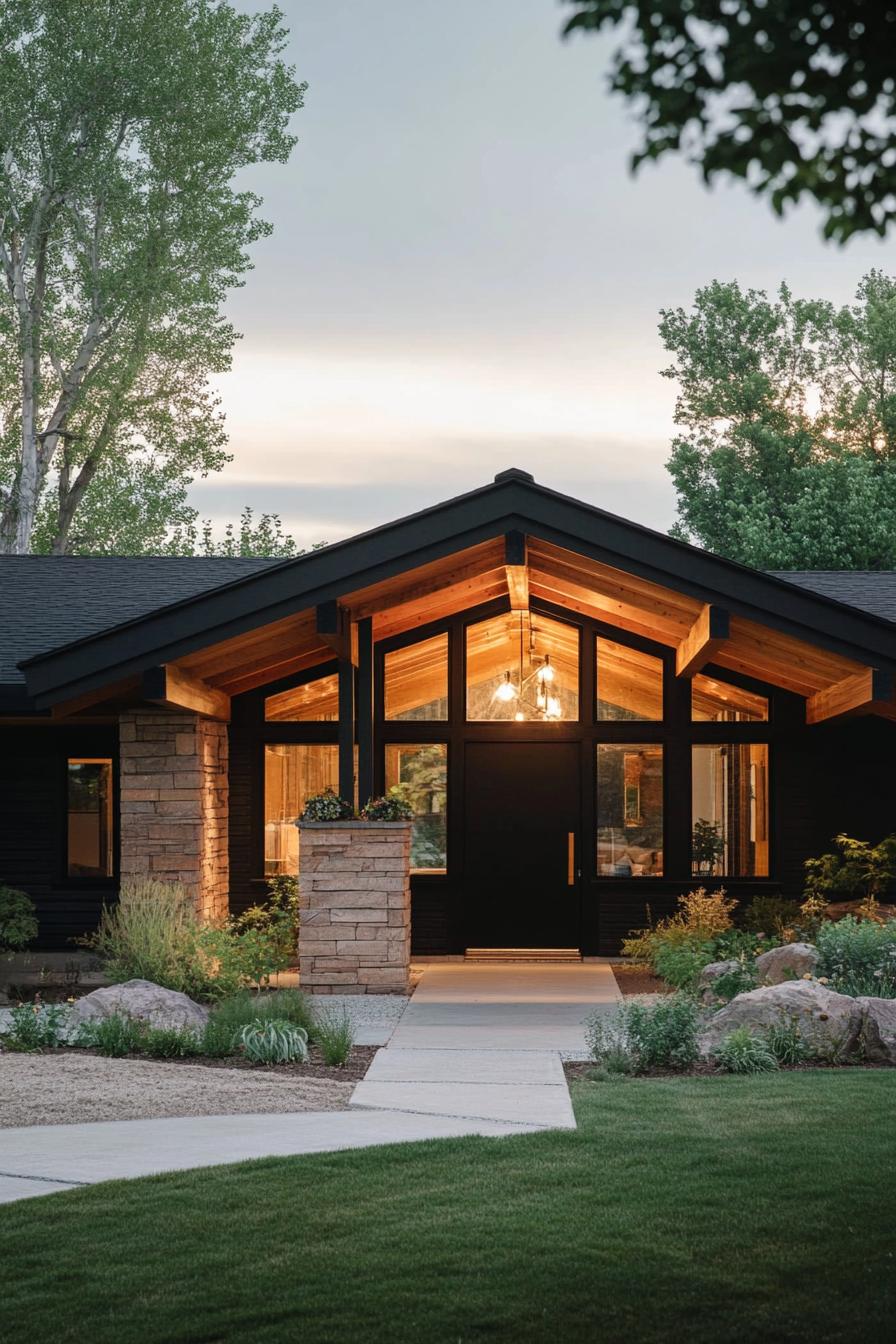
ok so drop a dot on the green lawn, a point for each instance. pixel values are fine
(709, 1210)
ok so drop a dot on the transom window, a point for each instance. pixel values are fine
(719, 702)
(629, 682)
(524, 667)
(314, 702)
(416, 680)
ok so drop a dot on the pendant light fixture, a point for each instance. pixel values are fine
(542, 681)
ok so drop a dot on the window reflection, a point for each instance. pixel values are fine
(292, 771)
(729, 795)
(629, 810)
(629, 683)
(420, 773)
(89, 839)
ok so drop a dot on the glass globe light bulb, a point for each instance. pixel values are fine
(546, 672)
(506, 691)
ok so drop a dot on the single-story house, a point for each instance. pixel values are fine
(587, 717)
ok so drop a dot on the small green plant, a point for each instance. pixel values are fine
(115, 1035)
(773, 917)
(680, 964)
(662, 1034)
(858, 956)
(392, 807)
(786, 1042)
(170, 1042)
(218, 1039)
(742, 1052)
(270, 930)
(855, 871)
(738, 980)
(707, 846)
(238, 1010)
(35, 1026)
(18, 920)
(334, 1037)
(608, 1047)
(273, 1041)
(327, 806)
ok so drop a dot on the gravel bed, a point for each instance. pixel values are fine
(362, 1009)
(70, 1087)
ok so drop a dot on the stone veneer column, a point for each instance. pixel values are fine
(174, 803)
(354, 907)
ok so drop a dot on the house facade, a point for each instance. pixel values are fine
(587, 717)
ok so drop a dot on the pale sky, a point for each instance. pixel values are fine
(464, 276)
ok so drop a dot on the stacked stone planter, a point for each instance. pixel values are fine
(355, 907)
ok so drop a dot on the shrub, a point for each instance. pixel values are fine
(218, 1039)
(18, 921)
(392, 807)
(679, 946)
(153, 934)
(35, 1026)
(785, 1040)
(742, 1052)
(773, 916)
(661, 1034)
(608, 1047)
(114, 1035)
(270, 931)
(856, 871)
(273, 1041)
(334, 1037)
(680, 964)
(858, 956)
(170, 1042)
(738, 980)
(327, 806)
(239, 1010)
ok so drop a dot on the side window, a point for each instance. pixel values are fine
(89, 839)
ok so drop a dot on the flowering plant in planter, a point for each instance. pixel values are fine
(327, 806)
(392, 807)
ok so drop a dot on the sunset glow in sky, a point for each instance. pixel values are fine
(464, 276)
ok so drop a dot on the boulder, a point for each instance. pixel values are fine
(840, 909)
(790, 962)
(829, 1023)
(143, 1000)
(710, 974)
(879, 1030)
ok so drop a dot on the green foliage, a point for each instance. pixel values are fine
(685, 942)
(115, 1035)
(392, 807)
(264, 537)
(327, 806)
(170, 1042)
(786, 1042)
(334, 1037)
(661, 1034)
(35, 1026)
(218, 1038)
(742, 1052)
(857, 870)
(858, 956)
(680, 964)
(18, 920)
(795, 99)
(738, 980)
(238, 1010)
(124, 222)
(423, 786)
(707, 845)
(273, 1041)
(773, 917)
(608, 1047)
(786, 407)
(270, 932)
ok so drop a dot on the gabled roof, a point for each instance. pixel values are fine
(869, 590)
(513, 502)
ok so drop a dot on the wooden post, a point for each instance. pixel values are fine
(365, 710)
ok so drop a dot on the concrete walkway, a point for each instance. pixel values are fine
(478, 1050)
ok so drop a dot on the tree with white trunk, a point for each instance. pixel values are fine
(123, 125)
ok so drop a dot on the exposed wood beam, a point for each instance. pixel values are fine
(334, 626)
(705, 637)
(385, 599)
(172, 686)
(91, 699)
(517, 570)
(870, 691)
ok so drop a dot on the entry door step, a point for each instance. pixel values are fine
(552, 955)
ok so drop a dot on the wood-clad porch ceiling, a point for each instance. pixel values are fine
(481, 573)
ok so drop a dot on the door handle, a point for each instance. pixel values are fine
(571, 858)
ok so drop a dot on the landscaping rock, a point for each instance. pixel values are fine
(790, 962)
(840, 909)
(143, 1000)
(829, 1023)
(710, 974)
(879, 1030)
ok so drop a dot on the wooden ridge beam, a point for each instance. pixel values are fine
(176, 688)
(334, 626)
(704, 639)
(516, 569)
(870, 691)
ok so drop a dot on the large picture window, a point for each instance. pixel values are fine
(420, 772)
(629, 810)
(89, 816)
(292, 771)
(729, 794)
(523, 667)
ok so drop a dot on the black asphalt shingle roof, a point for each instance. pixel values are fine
(870, 590)
(48, 600)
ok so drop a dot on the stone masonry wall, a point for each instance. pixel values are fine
(354, 907)
(173, 774)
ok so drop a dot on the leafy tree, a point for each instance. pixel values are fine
(786, 451)
(122, 126)
(264, 537)
(797, 97)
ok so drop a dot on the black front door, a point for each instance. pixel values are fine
(521, 851)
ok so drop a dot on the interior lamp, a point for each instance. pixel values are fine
(546, 671)
(506, 690)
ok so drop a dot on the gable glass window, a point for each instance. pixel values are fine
(292, 771)
(729, 795)
(420, 773)
(416, 679)
(314, 702)
(629, 810)
(89, 817)
(629, 683)
(716, 701)
(522, 667)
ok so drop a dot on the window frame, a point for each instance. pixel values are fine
(82, 750)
